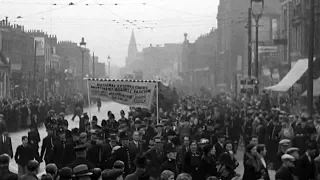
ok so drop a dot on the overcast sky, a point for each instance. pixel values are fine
(106, 25)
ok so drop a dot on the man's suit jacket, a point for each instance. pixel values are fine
(6, 145)
(135, 149)
(219, 149)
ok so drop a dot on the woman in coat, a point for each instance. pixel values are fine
(250, 164)
(208, 162)
(192, 161)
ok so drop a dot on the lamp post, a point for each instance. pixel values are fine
(257, 10)
(109, 73)
(83, 49)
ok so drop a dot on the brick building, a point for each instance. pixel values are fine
(17, 48)
(71, 59)
(47, 63)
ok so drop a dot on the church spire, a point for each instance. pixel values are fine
(132, 50)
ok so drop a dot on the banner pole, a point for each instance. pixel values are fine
(157, 94)
(89, 102)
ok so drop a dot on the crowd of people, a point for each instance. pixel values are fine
(197, 139)
(19, 114)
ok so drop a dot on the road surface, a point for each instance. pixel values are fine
(106, 106)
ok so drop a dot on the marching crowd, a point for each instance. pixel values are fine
(18, 114)
(198, 139)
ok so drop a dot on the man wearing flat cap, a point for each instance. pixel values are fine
(284, 144)
(286, 169)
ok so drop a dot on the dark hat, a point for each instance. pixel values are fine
(85, 116)
(65, 173)
(94, 118)
(170, 148)
(60, 130)
(113, 137)
(75, 131)
(111, 173)
(79, 148)
(225, 159)
(33, 165)
(81, 170)
(123, 136)
(118, 164)
(4, 159)
(171, 133)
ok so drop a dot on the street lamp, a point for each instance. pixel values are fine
(83, 49)
(109, 73)
(257, 11)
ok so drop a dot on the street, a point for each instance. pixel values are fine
(106, 106)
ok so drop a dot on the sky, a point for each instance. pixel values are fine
(106, 25)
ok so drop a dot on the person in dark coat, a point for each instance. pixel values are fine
(123, 154)
(262, 165)
(95, 153)
(81, 158)
(34, 136)
(141, 166)
(307, 165)
(5, 173)
(192, 161)
(285, 171)
(156, 157)
(99, 104)
(220, 144)
(47, 146)
(62, 150)
(208, 162)
(5, 144)
(284, 145)
(171, 164)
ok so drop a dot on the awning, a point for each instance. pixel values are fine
(292, 76)
(316, 88)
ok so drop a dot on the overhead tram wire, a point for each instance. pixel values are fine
(75, 4)
(46, 11)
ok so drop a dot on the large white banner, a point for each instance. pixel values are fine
(135, 94)
(39, 43)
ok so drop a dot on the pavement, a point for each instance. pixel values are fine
(106, 106)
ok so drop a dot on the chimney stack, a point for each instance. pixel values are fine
(6, 20)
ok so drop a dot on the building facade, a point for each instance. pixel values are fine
(17, 50)
(71, 56)
(197, 67)
(232, 48)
